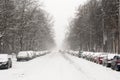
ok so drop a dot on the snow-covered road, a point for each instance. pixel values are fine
(58, 66)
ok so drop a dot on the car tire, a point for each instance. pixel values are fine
(116, 68)
(112, 67)
(7, 66)
(11, 65)
(106, 65)
(18, 59)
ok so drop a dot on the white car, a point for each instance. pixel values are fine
(25, 55)
(5, 61)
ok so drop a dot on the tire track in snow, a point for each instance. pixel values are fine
(77, 67)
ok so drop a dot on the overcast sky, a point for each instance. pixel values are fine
(61, 10)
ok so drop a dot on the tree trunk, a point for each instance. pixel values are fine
(119, 30)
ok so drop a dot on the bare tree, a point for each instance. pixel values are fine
(95, 27)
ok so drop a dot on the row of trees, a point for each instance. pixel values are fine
(24, 26)
(95, 27)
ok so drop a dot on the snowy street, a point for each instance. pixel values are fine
(58, 66)
(59, 39)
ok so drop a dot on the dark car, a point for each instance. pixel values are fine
(115, 64)
(5, 61)
(108, 60)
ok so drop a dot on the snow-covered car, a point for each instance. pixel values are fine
(31, 54)
(44, 52)
(108, 59)
(91, 56)
(115, 64)
(5, 61)
(95, 56)
(100, 58)
(37, 53)
(80, 54)
(74, 53)
(83, 55)
(25, 55)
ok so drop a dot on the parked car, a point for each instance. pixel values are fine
(37, 53)
(100, 58)
(108, 59)
(80, 54)
(84, 54)
(91, 56)
(5, 61)
(25, 55)
(115, 64)
(96, 56)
